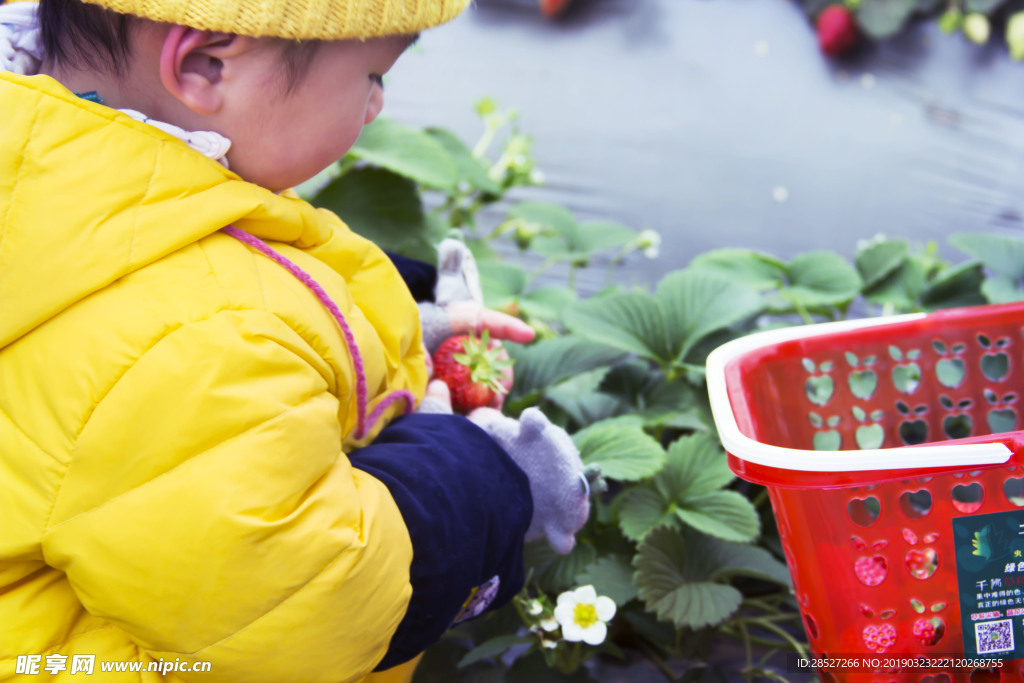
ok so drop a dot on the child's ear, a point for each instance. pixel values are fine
(191, 65)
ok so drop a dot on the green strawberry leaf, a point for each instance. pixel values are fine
(621, 447)
(752, 268)
(815, 279)
(687, 487)
(407, 152)
(547, 303)
(955, 287)
(695, 304)
(903, 287)
(493, 648)
(643, 510)
(554, 572)
(469, 168)
(630, 381)
(595, 236)
(1001, 290)
(880, 259)
(1002, 255)
(581, 400)
(677, 584)
(553, 217)
(724, 514)
(660, 402)
(611, 576)
(630, 322)
(740, 559)
(695, 466)
(501, 283)
(675, 404)
(687, 306)
(680, 576)
(882, 19)
(382, 206)
(545, 363)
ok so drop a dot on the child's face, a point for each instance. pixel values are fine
(280, 139)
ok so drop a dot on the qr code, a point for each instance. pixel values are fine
(994, 636)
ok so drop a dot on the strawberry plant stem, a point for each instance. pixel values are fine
(748, 650)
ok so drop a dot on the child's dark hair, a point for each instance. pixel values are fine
(79, 33)
(76, 32)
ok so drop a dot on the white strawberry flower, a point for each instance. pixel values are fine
(549, 624)
(583, 615)
(649, 242)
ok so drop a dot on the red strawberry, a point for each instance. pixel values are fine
(552, 8)
(837, 30)
(473, 371)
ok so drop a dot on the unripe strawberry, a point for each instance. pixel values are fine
(837, 30)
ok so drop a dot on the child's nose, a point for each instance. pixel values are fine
(374, 106)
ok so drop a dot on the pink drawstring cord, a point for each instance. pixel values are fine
(363, 423)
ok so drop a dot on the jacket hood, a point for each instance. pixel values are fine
(89, 195)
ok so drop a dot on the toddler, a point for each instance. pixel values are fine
(210, 464)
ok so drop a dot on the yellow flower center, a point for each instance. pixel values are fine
(585, 615)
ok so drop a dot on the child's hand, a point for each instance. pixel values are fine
(559, 485)
(437, 399)
(459, 305)
(469, 317)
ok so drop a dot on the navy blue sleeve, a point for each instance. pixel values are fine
(467, 506)
(420, 277)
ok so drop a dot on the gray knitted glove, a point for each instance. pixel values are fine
(547, 455)
(458, 280)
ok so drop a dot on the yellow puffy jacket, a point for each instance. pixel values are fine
(176, 411)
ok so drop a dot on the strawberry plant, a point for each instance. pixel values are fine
(843, 24)
(689, 554)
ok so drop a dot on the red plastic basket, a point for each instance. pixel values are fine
(889, 450)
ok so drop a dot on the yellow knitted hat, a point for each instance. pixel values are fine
(296, 19)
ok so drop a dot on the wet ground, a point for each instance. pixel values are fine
(719, 123)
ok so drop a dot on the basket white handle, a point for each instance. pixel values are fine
(742, 446)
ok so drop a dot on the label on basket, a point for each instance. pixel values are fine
(990, 577)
